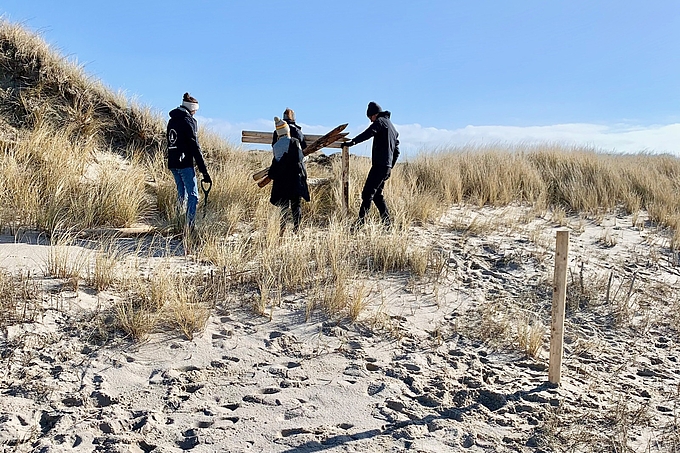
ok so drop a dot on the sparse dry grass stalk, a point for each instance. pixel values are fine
(189, 308)
(358, 301)
(63, 260)
(530, 336)
(135, 319)
(390, 252)
(107, 261)
(168, 298)
(19, 298)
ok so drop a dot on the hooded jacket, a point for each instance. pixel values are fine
(385, 151)
(183, 147)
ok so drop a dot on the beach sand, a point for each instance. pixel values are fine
(425, 368)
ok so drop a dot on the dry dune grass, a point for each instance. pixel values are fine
(19, 298)
(49, 183)
(579, 180)
(40, 87)
(56, 146)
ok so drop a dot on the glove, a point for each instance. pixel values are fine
(349, 143)
(206, 179)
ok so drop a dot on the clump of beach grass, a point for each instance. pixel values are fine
(20, 299)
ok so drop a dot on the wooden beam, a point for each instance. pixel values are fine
(558, 307)
(265, 138)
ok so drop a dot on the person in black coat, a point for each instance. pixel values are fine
(295, 130)
(384, 155)
(289, 175)
(183, 151)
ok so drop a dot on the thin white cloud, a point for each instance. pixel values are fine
(618, 138)
(414, 138)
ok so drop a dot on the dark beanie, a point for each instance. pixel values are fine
(373, 108)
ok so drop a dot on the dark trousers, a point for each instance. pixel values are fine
(373, 192)
(295, 210)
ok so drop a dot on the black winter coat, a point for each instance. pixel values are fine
(295, 132)
(289, 175)
(385, 151)
(183, 147)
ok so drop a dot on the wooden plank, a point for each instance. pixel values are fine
(266, 180)
(322, 142)
(265, 138)
(260, 174)
(558, 307)
(125, 232)
(268, 135)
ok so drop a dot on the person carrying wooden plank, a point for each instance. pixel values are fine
(384, 155)
(295, 130)
(289, 175)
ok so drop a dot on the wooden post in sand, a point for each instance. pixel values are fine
(558, 303)
(345, 178)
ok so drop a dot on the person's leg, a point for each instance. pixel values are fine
(283, 207)
(374, 183)
(181, 190)
(189, 179)
(380, 203)
(296, 210)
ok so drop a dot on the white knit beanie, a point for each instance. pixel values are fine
(282, 127)
(189, 102)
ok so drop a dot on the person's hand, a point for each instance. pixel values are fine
(207, 179)
(348, 143)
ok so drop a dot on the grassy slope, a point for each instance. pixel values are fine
(63, 119)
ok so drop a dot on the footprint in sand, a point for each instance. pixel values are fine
(374, 388)
(190, 439)
(203, 424)
(294, 432)
(219, 338)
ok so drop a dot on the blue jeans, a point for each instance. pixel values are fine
(187, 189)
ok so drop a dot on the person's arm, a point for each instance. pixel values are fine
(303, 142)
(273, 172)
(195, 147)
(395, 153)
(368, 133)
(275, 137)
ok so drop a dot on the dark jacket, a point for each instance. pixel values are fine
(183, 147)
(295, 132)
(385, 151)
(289, 175)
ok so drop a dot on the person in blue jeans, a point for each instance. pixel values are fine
(183, 151)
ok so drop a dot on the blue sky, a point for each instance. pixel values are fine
(596, 73)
